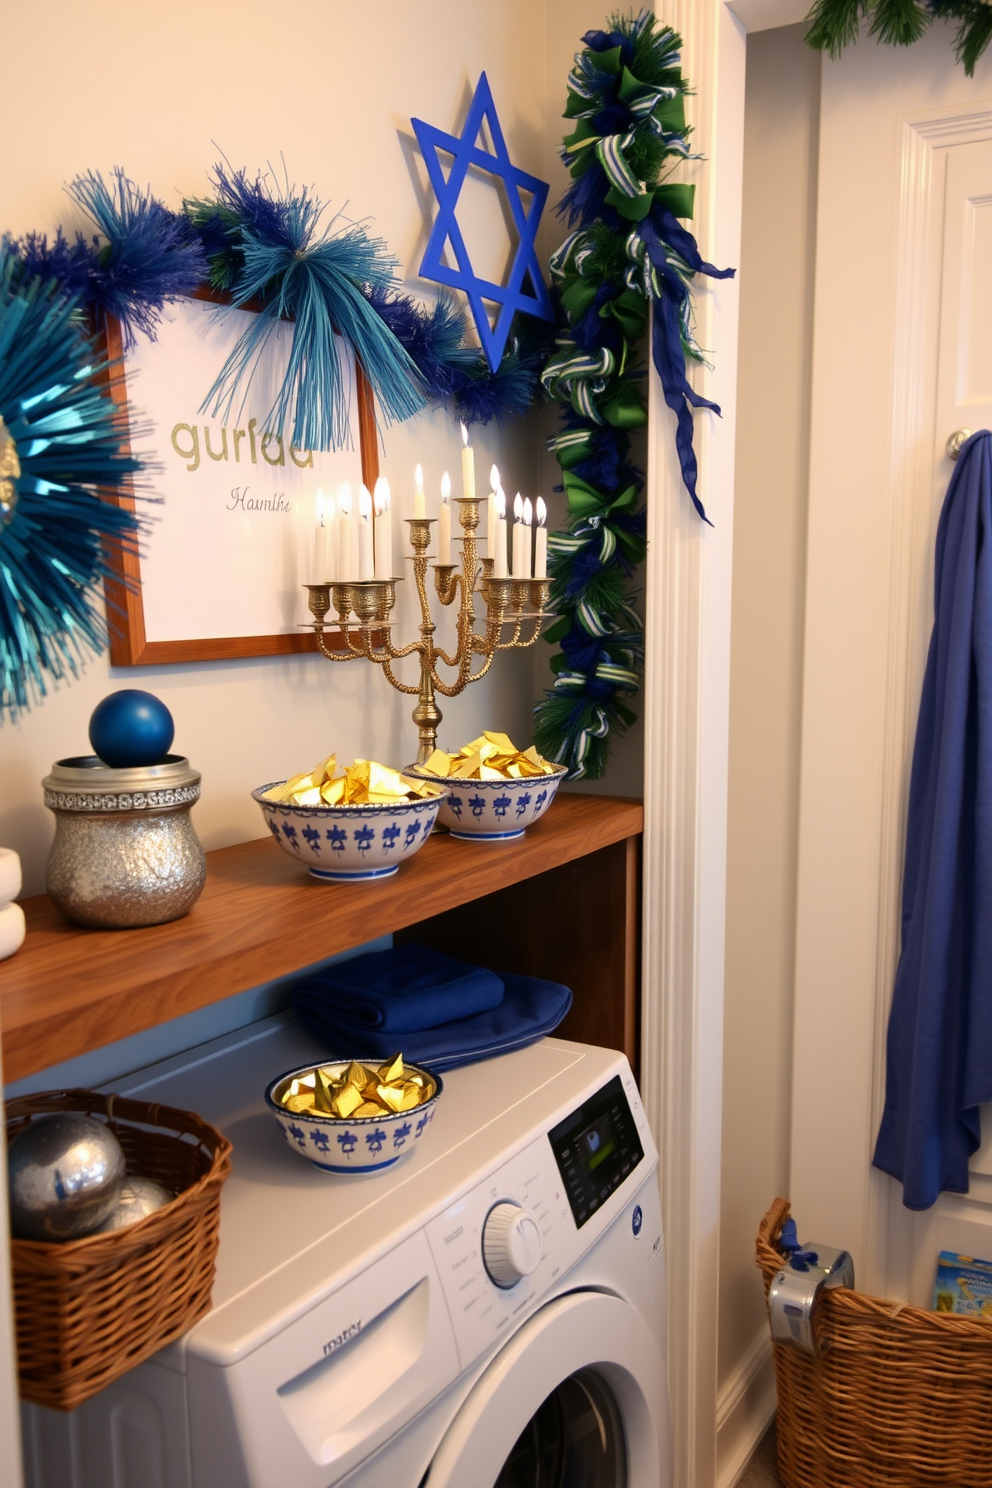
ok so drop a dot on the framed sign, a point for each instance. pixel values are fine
(226, 554)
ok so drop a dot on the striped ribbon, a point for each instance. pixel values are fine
(580, 377)
(570, 439)
(591, 619)
(570, 257)
(585, 738)
(609, 153)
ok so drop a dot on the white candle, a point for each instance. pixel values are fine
(541, 541)
(365, 566)
(331, 523)
(321, 572)
(444, 524)
(499, 565)
(517, 545)
(383, 530)
(528, 540)
(419, 499)
(347, 538)
(494, 486)
(468, 466)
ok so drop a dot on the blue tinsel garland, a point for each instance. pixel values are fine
(258, 246)
(61, 444)
(269, 248)
(628, 255)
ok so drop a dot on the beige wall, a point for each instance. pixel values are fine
(767, 631)
(328, 87)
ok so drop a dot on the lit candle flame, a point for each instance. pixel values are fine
(528, 513)
(418, 476)
(518, 507)
(494, 484)
(344, 500)
(446, 486)
(542, 512)
(464, 436)
(500, 505)
(380, 496)
(320, 506)
(365, 503)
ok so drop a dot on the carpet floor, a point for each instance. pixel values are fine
(761, 1471)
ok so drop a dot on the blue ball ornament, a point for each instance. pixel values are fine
(131, 728)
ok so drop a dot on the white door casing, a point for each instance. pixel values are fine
(686, 710)
(892, 125)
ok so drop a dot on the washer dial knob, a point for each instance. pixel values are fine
(511, 1243)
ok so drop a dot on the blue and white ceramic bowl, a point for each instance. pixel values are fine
(493, 810)
(351, 843)
(362, 1146)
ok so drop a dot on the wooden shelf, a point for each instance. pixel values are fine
(261, 916)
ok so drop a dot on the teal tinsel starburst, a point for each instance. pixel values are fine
(56, 532)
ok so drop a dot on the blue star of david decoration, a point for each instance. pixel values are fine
(465, 151)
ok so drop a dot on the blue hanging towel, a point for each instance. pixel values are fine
(434, 1010)
(939, 1052)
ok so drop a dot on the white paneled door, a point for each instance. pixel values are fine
(902, 358)
(964, 378)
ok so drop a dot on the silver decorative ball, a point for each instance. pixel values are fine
(66, 1173)
(139, 1198)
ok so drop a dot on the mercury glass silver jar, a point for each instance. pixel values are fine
(125, 852)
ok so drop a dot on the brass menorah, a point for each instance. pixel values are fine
(363, 608)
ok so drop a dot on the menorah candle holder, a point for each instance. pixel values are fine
(363, 608)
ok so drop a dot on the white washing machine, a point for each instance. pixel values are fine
(358, 1337)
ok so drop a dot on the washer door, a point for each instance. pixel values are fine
(577, 1399)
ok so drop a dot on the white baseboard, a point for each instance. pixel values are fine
(745, 1406)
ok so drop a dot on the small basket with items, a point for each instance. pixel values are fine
(115, 1210)
(886, 1393)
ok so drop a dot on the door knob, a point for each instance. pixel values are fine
(955, 442)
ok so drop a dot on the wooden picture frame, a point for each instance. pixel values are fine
(135, 638)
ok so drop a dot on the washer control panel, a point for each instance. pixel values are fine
(595, 1149)
(502, 1245)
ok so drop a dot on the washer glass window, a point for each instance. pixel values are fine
(575, 1439)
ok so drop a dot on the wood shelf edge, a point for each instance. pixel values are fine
(70, 990)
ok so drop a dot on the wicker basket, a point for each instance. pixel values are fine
(90, 1309)
(896, 1397)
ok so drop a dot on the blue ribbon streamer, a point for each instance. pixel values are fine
(667, 345)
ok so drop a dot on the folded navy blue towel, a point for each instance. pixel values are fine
(400, 990)
(530, 1008)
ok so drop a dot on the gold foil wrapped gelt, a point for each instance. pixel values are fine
(491, 756)
(357, 1091)
(363, 783)
(390, 1073)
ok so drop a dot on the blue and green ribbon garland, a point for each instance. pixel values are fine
(627, 263)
